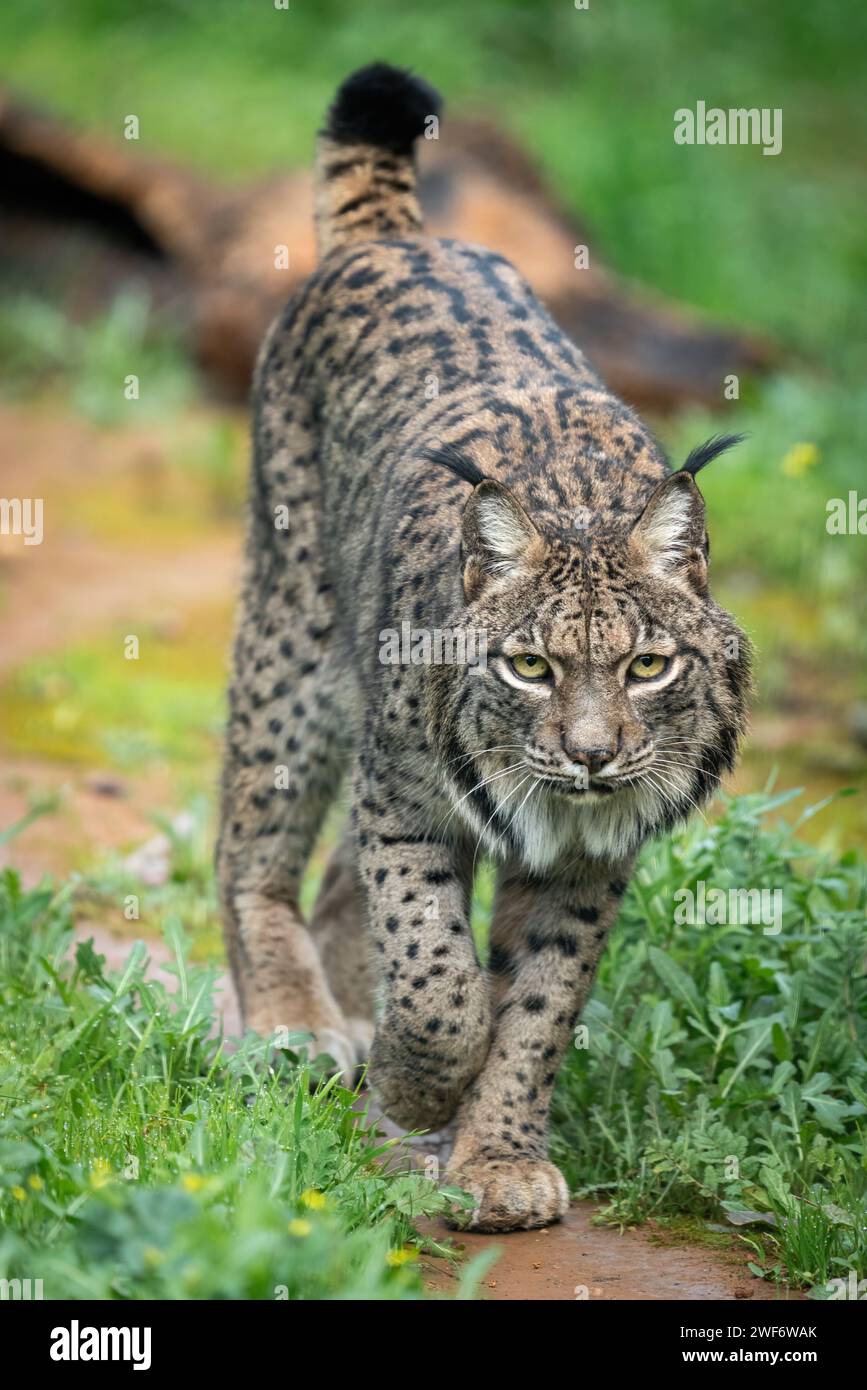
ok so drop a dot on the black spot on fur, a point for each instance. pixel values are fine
(535, 1003)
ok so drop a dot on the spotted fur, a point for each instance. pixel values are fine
(430, 449)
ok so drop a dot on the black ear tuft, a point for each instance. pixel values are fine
(382, 106)
(703, 453)
(447, 456)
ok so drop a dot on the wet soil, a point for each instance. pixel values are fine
(577, 1260)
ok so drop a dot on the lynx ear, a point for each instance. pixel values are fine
(670, 534)
(498, 538)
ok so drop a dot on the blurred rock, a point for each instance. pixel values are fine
(208, 251)
(104, 784)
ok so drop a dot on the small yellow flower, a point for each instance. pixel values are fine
(35, 1182)
(64, 718)
(19, 1194)
(193, 1182)
(313, 1199)
(299, 1227)
(100, 1173)
(152, 1255)
(799, 460)
(396, 1258)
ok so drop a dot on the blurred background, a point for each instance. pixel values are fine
(152, 258)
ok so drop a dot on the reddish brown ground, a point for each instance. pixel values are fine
(577, 1260)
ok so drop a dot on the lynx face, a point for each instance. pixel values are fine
(613, 694)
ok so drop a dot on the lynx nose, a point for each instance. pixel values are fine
(591, 758)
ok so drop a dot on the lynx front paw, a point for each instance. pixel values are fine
(512, 1193)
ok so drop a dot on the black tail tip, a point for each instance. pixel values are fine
(382, 106)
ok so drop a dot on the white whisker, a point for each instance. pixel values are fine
(493, 778)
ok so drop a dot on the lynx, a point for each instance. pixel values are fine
(520, 500)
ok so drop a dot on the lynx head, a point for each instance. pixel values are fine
(614, 691)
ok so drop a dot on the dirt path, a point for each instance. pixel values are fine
(575, 1260)
(90, 809)
(105, 556)
(132, 543)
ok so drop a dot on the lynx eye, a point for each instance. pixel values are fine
(647, 666)
(529, 666)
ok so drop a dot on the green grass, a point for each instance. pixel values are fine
(725, 1068)
(139, 1160)
(92, 364)
(724, 1080)
(89, 704)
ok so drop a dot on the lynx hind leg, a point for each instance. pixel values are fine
(339, 927)
(274, 798)
(283, 751)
